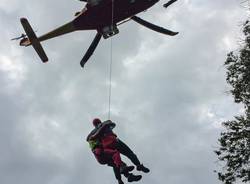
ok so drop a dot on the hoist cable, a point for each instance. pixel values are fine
(111, 59)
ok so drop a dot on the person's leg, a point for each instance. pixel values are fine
(115, 155)
(125, 150)
(130, 176)
(117, 174)
(113, 158)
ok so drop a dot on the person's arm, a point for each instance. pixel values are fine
(102, 129)
(90, 134)
(98, 132)
(109, 123)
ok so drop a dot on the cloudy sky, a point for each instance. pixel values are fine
(169, 94)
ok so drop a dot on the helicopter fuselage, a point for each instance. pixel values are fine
(104, 16)
(107, 13)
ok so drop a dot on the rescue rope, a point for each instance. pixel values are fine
(111, 60)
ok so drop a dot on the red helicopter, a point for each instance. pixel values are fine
(104, 16)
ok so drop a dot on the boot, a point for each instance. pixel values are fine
(131, 177)
(142, 168)
(126, 169)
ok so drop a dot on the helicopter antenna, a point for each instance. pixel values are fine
(20, 37)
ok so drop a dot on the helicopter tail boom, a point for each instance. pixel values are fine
(64, 29)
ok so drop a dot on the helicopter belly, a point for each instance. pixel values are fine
(100, 15)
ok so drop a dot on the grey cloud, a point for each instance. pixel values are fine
(159, 102)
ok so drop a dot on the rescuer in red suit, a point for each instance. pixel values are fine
(107, 148)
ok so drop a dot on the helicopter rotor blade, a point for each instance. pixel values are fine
(91, 49)
(154, 27)
(169, 3)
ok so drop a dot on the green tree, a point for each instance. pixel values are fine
(234, 142)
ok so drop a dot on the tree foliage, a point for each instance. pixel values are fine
(234, 150)
(238, 70)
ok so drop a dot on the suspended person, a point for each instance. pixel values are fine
(108, 139)
(112, 158)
